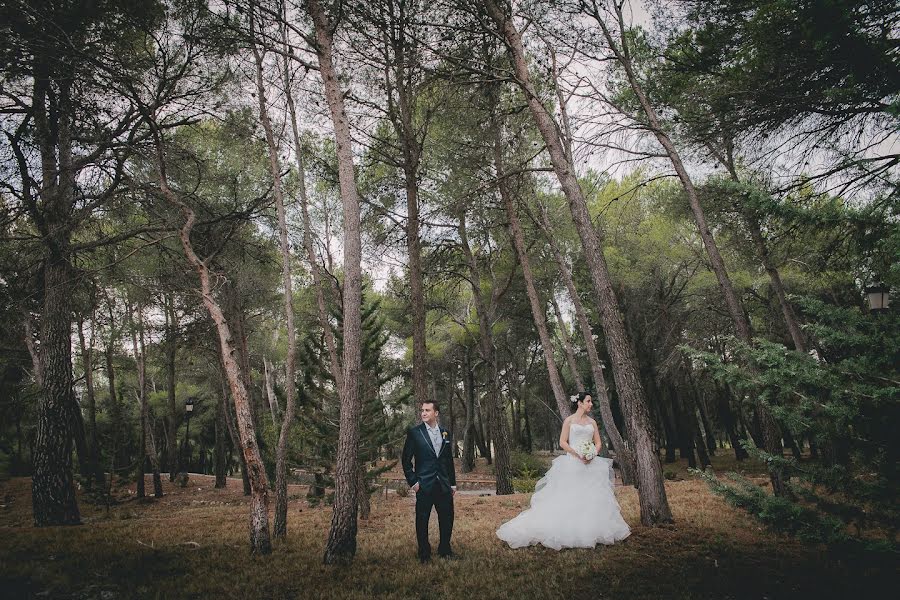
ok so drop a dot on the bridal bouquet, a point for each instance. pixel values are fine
(587, 449)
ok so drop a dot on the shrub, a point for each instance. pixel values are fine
(524, 485)
(525, 465)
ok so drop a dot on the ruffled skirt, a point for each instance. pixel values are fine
(573, 506)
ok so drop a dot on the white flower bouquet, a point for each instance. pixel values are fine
(587, 449)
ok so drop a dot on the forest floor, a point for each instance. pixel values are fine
(193, 543)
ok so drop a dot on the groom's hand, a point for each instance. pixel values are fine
(452, 490)
(415, 488)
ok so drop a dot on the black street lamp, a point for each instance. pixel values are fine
(188, 410)
(878, 297)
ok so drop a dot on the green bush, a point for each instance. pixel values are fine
(526, 465)
(524, 485)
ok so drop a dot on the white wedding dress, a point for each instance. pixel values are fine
(573, 505)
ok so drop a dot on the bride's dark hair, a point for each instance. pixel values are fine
(579, 397)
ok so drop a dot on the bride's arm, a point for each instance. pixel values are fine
(598, 443)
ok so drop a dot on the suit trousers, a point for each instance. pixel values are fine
(442, 501)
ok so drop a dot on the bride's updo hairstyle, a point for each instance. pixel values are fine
(579, 397)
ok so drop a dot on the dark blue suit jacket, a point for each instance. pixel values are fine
(430, 469)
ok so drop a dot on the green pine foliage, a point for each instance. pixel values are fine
(383, 397)
(845, 399)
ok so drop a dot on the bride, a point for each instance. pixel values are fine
(573, 505)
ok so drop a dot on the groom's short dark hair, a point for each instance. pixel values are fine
(433, 403)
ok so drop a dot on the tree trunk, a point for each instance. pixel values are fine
(538, 313)
(496, 425)
(468, 457)
(567, 345)
(221, 481)
(95, 472)
(280, 526)
(651, 485)
(174, 415)
(624, 456)
(314, 266)
(341, 545)
(771, 435)
(52, 485)
(787, 311)
(148, 446)
(235, 438)
(260, 542)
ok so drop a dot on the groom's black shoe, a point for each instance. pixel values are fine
(424, 560)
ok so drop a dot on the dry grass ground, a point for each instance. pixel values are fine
(193, 544)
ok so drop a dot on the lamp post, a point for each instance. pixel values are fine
(878, 297)
(188, 410)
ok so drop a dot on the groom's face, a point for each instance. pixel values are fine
(429, 415)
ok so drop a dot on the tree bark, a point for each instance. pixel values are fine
(260, 542)
(341, 544)
(624, 456)
(496, 425)
(538, 311)
(148, 446)
(220, 467)
(567, 345)
(174, 415)
(652, 494)
(771, 436)
(290, 391)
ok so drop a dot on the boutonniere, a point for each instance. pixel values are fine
(445, 435)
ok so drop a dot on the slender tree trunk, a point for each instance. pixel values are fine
(314, 266)
(174, 415)
(652, 493)
(567, 345)
(280, 527)
(624, 456)
(496, 425)
(221, 481)
(269, 376)
(95, 474)
(148, 447)
(235, 438)
(341, 545)
(260, 542)
(468, 457)
(538, 313)
(771, 436)
(787, 311)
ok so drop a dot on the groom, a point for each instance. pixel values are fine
(433, 478)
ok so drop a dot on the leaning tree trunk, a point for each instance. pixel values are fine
(260, 542)
(290, 390)
(495, 422)
(624, 456)
(771, 435)
(652, 493)
(538, 313)
(341, 545)
(567, 345)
